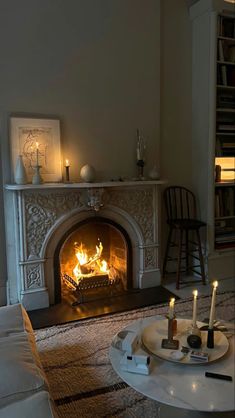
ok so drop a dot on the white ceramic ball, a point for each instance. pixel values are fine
(87, 173)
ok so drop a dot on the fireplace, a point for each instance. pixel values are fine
(93, 260)
(113, 222)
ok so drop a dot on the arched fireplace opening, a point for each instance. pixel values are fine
(92, 260)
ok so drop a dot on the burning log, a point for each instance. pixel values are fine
(85, 270)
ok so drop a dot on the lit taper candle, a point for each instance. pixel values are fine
(212, 311)
(171, 308)
(195, 294)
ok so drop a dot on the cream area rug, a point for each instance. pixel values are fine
(76, 361)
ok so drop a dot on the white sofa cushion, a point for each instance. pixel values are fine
(20, 375)
(14, 319)
(36, 406)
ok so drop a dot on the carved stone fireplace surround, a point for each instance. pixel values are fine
(37, 217)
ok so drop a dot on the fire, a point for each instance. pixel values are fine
(81, 255)
(89, 266)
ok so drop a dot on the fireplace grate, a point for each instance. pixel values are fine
(88, 283)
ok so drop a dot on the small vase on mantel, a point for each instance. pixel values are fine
(20, 172)
(154, 174)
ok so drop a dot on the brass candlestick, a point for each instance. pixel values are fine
(210, 338)
(169, 342)
(140, 164)
(67, 173)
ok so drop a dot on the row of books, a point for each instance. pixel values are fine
(226, 26)
(225, 122)
(226, 75)
(229, 237)
(225, 233)
(226, 99)
(225, 147)
(226, 51)
(224, 202)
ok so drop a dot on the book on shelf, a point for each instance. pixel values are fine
(225, 203)
(226, 26)
(226, 127)
(224, 246)
(230, 237)
(226, 99)
(231, 75)
(231, 52)
(224, 75)
(228, 196)
(228, 144)
(221, 51)
(217, 206)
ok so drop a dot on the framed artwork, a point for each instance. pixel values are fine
(38, 141)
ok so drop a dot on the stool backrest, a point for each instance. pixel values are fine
(180, 203)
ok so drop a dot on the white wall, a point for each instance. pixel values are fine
(176, 97)
(95, 64)
(176, 93)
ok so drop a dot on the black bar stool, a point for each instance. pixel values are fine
(184, 232)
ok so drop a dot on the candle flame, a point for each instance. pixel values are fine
(37, 145)
(195, 293)
(172, 301)
(66, 163)
(215, 284)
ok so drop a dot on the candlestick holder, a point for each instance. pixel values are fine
(169, 342)
(37, 179)
(140, 164)
(210, 338)
(67, 173)
(194, 330)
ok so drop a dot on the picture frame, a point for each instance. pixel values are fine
(38, 141)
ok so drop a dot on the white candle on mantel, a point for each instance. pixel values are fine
(212, 312)
(37, 160)
(195, 293)
(171, 308)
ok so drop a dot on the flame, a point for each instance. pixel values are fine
(81, 255)
(89, 266)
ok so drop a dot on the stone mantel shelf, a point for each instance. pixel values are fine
(46, 186)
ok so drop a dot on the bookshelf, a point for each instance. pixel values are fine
(224, 199)
(213, 129)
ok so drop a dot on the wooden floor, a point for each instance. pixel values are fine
(64, 312)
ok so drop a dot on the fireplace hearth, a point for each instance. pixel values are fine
(117, 223)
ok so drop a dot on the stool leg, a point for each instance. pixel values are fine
(166, 253)
(187, 251)
(201, 257)
(179, 259)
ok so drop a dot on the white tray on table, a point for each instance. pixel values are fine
(154, 333)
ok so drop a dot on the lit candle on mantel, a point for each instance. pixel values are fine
(212, 311)
(171, 308)
(195, 293)
(66, 163)
(37, 153)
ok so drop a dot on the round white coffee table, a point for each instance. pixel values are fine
(181, 385)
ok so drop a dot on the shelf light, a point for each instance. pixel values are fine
(227, 168)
